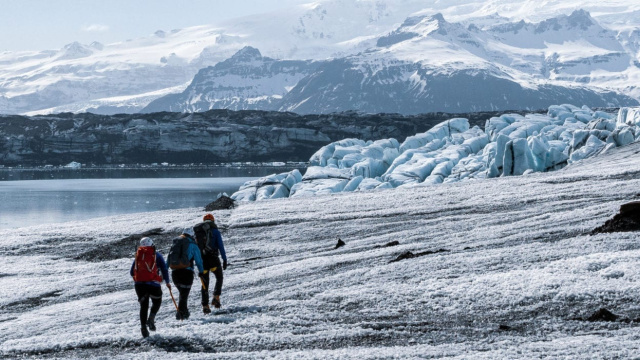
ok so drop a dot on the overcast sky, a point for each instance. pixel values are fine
(50, 24)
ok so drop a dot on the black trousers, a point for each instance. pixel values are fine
(146, 292)
(183, 279)
(216, 269)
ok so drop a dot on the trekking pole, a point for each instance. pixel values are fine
(174, 303)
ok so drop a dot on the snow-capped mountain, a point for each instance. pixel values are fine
(246, 81)
(573, 48)
(128, 75)
(528, 44)
(429, 64)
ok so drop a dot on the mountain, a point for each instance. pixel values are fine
(128, 75)
(80, 77)
(246, 81)
(428, 64)
(571, 48)
(552, 45)
(412, 89)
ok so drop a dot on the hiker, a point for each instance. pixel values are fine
(210, 243)
(148, 271)
(184, 252)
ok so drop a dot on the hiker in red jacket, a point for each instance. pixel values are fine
(149, 270)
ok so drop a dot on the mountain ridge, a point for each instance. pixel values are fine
(105, 78)
(429, 64)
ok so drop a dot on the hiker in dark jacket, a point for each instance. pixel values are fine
(183, 278)
(148, 273)
(211, 260)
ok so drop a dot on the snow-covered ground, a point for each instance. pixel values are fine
(519, 274)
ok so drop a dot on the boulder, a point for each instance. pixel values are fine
(628, 219)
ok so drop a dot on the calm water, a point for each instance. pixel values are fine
(15, 174)
(49, 201)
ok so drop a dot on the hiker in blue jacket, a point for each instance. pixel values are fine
(183, 278)
(211, 259)
(148, 271)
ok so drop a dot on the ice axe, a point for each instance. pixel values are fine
(202, 282)
(174, 302)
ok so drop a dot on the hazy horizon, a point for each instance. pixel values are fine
(42, 25)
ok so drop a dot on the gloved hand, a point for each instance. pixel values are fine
(201, 275)
(169, 286)
(224, 265)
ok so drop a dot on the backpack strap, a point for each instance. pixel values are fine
(150, 269)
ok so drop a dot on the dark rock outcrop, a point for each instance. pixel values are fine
(628, 219)
(410, 255)
(125, 247)
(222, 203)
(389, 244)
(603, 315)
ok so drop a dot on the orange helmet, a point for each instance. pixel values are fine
(208, 217)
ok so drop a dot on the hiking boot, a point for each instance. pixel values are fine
(206, 309)
(145, 332)
(178, 315)
(216, 302)
(151, 322)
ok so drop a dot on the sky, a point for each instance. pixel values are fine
(51, 24)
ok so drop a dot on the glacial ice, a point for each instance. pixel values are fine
(509, 145)
(268, 187)
(629, 116)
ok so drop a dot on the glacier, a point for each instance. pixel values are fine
(452, 151)
(520, 276)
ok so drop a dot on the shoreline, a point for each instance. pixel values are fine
(133, 171)
(155, 166)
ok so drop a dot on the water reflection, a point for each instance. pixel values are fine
(49, 201)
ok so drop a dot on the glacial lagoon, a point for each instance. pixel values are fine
(25, 202)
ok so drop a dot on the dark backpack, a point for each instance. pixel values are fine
(179, 253)
(145, 268)
(203, 234)
(203, 238)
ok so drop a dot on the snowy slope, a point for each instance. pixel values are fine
(127, 75)
(79, 73)
(111, 105)
(519, 274)
(246, 81)
(429, 64)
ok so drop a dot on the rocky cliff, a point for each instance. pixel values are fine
(210, 137)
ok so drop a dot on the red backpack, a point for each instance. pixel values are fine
(145, 269)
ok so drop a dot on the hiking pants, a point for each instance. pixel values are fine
(216, 269)
(183, 279)
(146, 292)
